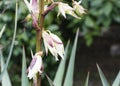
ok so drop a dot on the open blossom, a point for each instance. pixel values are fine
(53, 43)
(35, 66)
(78, 8)
(66, 9)
(33, 6)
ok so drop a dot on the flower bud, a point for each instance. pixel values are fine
(78, 8)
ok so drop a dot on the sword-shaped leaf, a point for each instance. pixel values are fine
(70, 71)
(102, 77)
(24, 78)
(5, 79)
(117, 80)
(61, 69)
(87, 80)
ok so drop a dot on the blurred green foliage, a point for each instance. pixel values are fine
(100, 15)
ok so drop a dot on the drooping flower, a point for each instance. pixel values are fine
(33, 7)
(53, 43)
(78, 8)
(35, 66)
(66, 9)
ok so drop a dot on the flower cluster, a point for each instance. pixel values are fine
(51, 41)
(76, 11)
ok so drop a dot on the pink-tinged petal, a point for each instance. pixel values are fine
(33, 2)
(34, 20)
(56, 39)
(48, 42)
(35, 66)
(32, 6)
(58, 45)
(35, 6)
(33, 62)
(48, 39)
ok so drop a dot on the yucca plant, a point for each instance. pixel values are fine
(52, 43)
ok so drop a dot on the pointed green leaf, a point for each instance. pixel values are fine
(1, 32)
(102, 77)
(69, 75)
(49, 80)
(87, 80)
(117, 80)
(61, 69)
(24, 80)
(12, 44)
(5, 77)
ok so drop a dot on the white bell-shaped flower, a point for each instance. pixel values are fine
(35, 66)
(66, 9)
(33, 7)
(53, 43)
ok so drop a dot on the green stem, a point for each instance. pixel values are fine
(39, 34)
(40, 24)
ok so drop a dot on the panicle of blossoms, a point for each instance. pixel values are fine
(66, 9)
(35, 66)
(78, 8)
(53, 43)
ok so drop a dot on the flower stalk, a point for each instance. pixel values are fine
(40, 26)
(39, 34)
